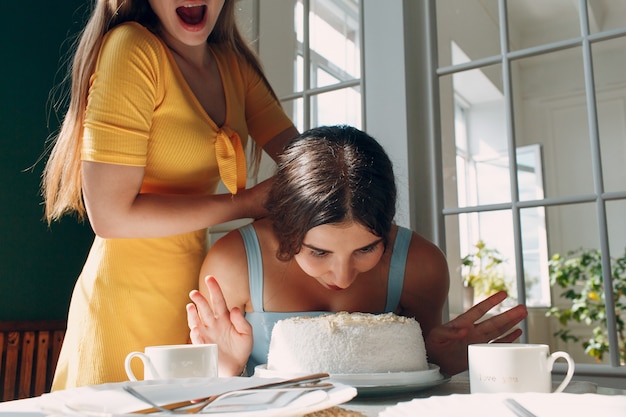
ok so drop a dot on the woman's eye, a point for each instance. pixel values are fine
(369, 249)
(318, 253)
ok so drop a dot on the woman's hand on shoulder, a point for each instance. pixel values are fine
(447, 344)
(254, 198)
(210, 321)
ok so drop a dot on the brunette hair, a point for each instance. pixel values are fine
(331, 174)
(61, 180)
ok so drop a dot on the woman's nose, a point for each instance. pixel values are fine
(344, 274)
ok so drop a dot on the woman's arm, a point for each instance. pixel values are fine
(276, 145)
(223, 296)
(424, 294)
(116, 209)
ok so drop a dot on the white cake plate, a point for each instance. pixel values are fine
(375, 384)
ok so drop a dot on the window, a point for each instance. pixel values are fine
(482, 178)
(324, 87)
(323, 33)
(533, 142)
(494, 112)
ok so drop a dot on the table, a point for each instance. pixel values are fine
(458, 384)
(369, 406)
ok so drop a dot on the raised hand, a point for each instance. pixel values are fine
(210, 321)
(447, 344)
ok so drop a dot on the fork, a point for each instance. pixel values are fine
(278, 399)
(184, 407)
(173, 408)
(132, 391)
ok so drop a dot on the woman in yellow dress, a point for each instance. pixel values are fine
(164, 96)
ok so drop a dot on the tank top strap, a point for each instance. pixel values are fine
(397, 266)
(255, 265)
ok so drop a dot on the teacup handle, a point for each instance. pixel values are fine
(147, 363)
(570, 368)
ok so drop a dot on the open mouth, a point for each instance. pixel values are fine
(192, 14)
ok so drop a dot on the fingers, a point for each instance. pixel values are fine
(195, 324)
(477, 312)
(241, 325)
(202, 308)
(203, 316)
(480, 309)
(193, 319)
(509, 337)
(216, 297)
(446, 333)
(493, 328)
(499, 325)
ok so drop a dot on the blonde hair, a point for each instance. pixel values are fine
(61, 179)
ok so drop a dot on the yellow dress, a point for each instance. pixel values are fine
(132, 293)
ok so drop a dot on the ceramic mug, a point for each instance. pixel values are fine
(514, 367)
(175, 361)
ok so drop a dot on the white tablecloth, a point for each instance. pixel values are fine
(454, 395)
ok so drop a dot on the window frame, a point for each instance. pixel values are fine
(598, 197)
(401, 107)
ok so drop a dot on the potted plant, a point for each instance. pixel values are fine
(579, 274)
(483, 273)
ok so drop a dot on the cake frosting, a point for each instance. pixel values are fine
(347, 343)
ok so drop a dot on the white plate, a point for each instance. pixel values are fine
(376, 383)
(111, 400)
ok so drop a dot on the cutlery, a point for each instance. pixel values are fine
(199, 404)
(280, 398)
(132, 391)
(518, 409)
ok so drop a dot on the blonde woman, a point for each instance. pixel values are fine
(164, 96)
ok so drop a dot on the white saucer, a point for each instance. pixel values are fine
(375, 383)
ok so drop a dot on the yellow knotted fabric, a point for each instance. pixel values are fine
(231, 160)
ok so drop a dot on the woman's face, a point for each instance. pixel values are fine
(335, 254)
(189, 22)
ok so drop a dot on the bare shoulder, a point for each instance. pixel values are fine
(426, 282)
(426, 257)
(226, 261)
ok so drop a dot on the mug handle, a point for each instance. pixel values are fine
(147, 363)
(570, 368)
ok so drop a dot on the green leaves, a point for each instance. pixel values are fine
(483, 270)
(579, 274)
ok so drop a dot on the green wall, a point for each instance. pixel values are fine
(38, 264)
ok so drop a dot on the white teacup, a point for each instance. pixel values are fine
(175, 361)
(514, 367)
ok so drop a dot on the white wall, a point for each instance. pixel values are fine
(386, 116)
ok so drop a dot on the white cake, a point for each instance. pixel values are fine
(347, 343)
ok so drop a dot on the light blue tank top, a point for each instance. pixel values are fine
(262, 322)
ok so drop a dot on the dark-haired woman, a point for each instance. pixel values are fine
(329, 244)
